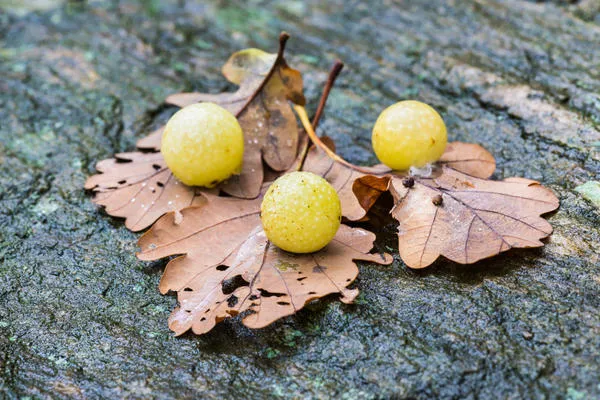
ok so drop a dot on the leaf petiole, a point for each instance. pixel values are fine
(301, 111)
(333, 74)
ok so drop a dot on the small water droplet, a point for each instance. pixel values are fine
(170, 202)
(133, 200)
(143, 184)
(424, 172)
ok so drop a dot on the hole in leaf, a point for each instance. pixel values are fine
(121, 182)
(301, 279)
(253, 297)
(222, 268)
(233, 283)
(232, 301)
(312, 292)
(156, 166)
(265, 293)
(187, 289)
(283, 303)
(121, 160)
(202, 319)
(160, 184)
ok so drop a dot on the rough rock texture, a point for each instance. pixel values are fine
(81, 317)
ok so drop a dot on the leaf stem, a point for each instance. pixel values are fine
(283, 38)
(301, 111)
(333, 74)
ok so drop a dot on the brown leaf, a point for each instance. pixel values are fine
(342, 178)
(360, 187)
(140, 187)
(457, 214)
(261, 104)
(472, 159)
(230, 267)
(152, 141)
(466, 219)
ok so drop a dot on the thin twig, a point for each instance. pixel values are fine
(333, 74)
(301, 111)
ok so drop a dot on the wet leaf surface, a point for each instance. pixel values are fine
(261, 104)
(128, 187)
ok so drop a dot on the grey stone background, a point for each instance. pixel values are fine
(81, 317)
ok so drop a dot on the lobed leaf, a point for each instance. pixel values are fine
(455, 213)
(261, 104)
(467, 219)
(360, 187)
(224, 240)
(343, 178)
(470, 158)
(140, 188)
(267, 84)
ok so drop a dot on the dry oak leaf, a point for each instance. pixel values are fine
(359, 187)
(465, 218)
(261, 104)
(342, 178)
(470, 158)
(223, 242)
(152, 141)
(457, 213)
(140, 188)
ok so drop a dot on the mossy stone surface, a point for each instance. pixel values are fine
(81, 317)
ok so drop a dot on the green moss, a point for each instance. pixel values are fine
(590, 191)
(243, 19)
